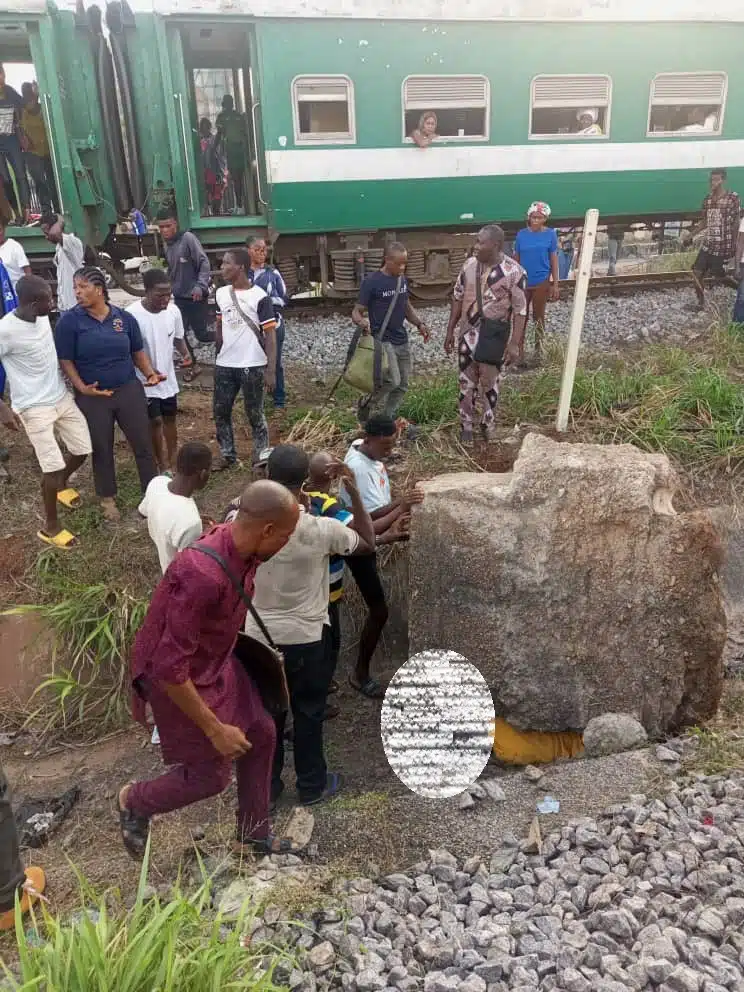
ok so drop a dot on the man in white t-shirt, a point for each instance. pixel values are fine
(246, 355)
(162, 329)
(739, 304)
(13, 257)
(173, 518)
(291, 597)
(69, 256)
(41, 403)
(366, 459)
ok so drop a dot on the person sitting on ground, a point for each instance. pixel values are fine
(162, 329)
(324, 473)
(366, 459)
(100, 347)
(69, 256)
(42, 403)
(173, 518)
(426, 131)
(536, 250)
(27, 885)
(291, 597)
(206, 706)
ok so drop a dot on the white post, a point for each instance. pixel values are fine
(583, 275)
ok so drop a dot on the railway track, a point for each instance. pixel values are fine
(618, 285)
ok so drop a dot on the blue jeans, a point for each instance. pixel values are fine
(280, 396)
(564, 263)
(739, 305)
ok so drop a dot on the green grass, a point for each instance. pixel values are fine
(92, 627)
(173, 946)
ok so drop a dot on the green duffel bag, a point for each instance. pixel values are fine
(360, 372)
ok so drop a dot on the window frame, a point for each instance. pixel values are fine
(689, 135)
(316, 138)
(444, 139)
(572, 137)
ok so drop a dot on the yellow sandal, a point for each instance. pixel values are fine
(64, 540)
(32, 892)
(69, 498)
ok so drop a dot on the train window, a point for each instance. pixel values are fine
(570, 107)
(323, 108)
(459, 103)
(686, 103)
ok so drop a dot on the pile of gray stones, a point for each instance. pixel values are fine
(650, 895)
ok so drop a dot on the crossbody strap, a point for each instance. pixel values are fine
(246, 319)
(389, 314)
(238, 586)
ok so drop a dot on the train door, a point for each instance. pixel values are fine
(216, 115)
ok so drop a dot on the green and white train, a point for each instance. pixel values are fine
(331, 93)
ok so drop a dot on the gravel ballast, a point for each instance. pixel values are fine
(320, 343)
(649, 895)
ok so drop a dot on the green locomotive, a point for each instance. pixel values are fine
(298, 123)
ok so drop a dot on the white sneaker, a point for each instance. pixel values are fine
(155, 739)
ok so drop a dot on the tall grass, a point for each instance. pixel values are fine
(174, 946)
(92, 628)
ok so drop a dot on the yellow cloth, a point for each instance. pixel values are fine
(531, 747)
(33, 125)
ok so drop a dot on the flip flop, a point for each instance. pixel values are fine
(32, 891)
(64, 540)
(69, 498)
(371, 688)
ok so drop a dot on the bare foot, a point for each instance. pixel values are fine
(110, 510)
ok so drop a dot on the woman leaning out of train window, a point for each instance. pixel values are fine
(536, 250)
(426, 132)
(99, 346)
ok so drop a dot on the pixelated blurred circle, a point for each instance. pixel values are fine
(437, 724)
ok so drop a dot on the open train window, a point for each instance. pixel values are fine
(323, 109)
(570, 107)
(686, 103)
(460, 104)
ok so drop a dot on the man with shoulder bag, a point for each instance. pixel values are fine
(488, 317)
(246, 356)
(384, 297)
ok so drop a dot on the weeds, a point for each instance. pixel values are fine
(177, 946)
(92, 628)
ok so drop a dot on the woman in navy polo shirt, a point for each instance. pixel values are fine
(536, 250)
(98, 346)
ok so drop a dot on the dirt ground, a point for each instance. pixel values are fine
(377, 823)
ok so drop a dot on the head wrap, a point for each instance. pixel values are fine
(538, 207)
(589, 112)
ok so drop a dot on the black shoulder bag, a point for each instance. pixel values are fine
(493, 335)
(264, 663)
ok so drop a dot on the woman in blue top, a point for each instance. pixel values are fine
(99, 346)
(536, 250)
(269, 279)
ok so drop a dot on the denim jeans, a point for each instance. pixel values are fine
(228, 382)
(280, 396)
(388, 398)
(12, 874)
(739, 305)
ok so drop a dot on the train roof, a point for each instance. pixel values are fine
(642, 11)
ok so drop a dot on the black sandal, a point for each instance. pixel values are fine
(135, 831)
(370, 688)
(271, 844)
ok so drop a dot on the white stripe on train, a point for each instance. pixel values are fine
(326, 165)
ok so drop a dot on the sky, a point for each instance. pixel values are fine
(17, 73)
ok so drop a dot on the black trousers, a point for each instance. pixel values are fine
(127, 408)
(367, 578)
(12, 875)
(309, 673)
(195, 314)
(40, 170)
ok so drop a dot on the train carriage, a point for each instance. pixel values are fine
(329, 98)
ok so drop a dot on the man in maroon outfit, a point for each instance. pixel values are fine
(206, 707)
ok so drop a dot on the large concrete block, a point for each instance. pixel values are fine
(574, 586)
